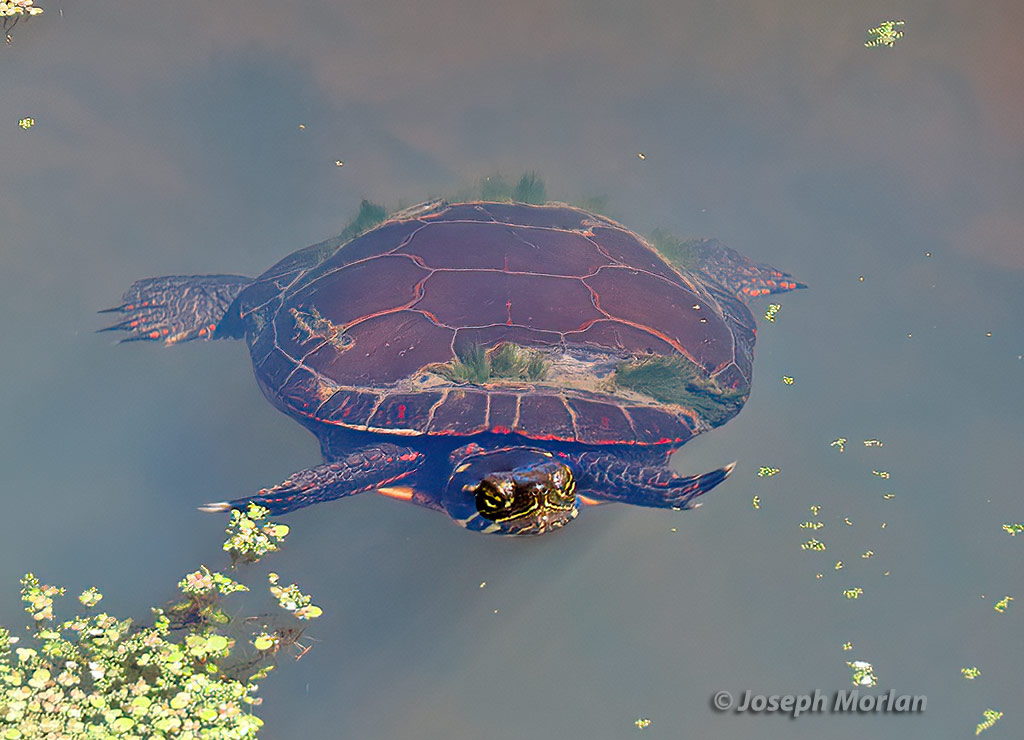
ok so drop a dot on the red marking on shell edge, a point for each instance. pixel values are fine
(501, 430)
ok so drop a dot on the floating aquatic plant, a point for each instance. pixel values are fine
(97, 676)
(884, 34)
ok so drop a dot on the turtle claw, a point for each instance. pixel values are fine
(216, 507)
(685, 489)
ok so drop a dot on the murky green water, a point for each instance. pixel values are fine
(168, 140)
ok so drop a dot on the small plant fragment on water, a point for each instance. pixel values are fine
(773, 309)
(290, 598)
(756, 502)
(1013, 529)
(880, 473)
(90, 597)
(27, 123)
(868, 554)
(642, 723)
(812, 544)
(248, 540)
(847, 646)
(815, 509)
(873, 443)
(971, 673)
(853, 593)
(811, 525)
(766, 472)
(884, 34)
(840, 443)
(991, 717)
(863, 673)
(1003, 604)
(888, 496)
(838, 565)
(202, 581)
(787, 379)
(14, 10)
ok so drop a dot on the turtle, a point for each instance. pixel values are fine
(503, 363)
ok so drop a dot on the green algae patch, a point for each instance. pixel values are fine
(682, 253)
(507, 361)
(677, 381)
(369, 216)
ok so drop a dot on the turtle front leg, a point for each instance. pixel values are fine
(611, 477)
(366, 469)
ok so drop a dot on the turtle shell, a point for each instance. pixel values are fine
(372, 335)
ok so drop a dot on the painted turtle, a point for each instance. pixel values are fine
(502, 363)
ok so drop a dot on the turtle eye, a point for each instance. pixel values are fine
(563, 486)
(495, 496)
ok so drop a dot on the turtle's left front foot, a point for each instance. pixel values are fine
(610, 479)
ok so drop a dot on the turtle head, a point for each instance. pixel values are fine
(514, 490)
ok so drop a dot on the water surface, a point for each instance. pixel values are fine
(168, 140)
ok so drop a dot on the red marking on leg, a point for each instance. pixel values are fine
(202, 332)
(134, 324)
(154, 335)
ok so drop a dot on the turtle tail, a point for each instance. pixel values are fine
(740, 275)
(177, 308)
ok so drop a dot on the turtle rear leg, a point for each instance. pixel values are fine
(363, 470)
(740, 274)
(176, 308)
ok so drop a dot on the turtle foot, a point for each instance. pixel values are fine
(607, 477)
(367, 469)
(176, 308)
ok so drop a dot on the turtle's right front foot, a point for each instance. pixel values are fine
(364, 470)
